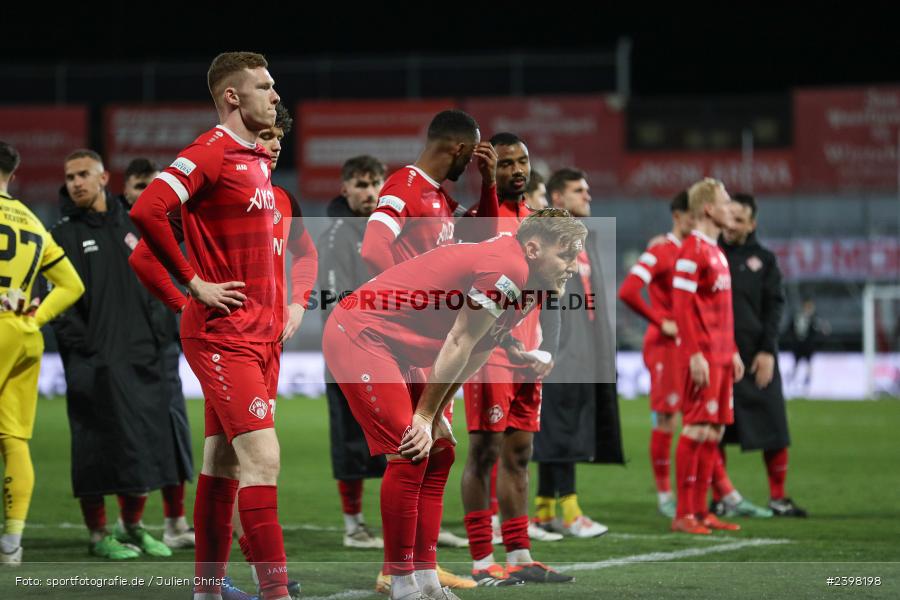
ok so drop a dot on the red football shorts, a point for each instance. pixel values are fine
(666, 377)
(239, 381)
(376, 387)
(712, 404)
(498, 398)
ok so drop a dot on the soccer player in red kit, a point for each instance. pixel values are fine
(654, 269)
(414, 213)
(290, 232)
(229, 328)
(503, 406)
(446, 309)
(701, 299)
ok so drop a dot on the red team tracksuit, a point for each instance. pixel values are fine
(223, 184)
(370, 343)
(655, 269)
(504, 395)
(702, 306)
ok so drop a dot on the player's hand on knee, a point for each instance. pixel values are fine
(441, 429)
(221, 296)
(416, 442)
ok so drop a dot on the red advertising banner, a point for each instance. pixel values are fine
(847, 139)
(665, 173)
(586, 132)
(44, 136)
(842, 259)
(158, 132)
(331, 132)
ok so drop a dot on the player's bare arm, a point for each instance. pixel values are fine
(448, 370)
(738, 367)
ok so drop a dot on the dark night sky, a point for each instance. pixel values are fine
(673, 52)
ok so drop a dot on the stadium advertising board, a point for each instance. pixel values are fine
(158, 132)
(665, 173)
(841, 259)
(44, 136)
(847, 139)
(586, 132)
(328, 133)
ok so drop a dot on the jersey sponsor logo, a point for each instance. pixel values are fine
(495, 414)
(723, 282)
(507, 287)
(392, 202)
(240, 167)
(131, 240)
(184, 165)
(278, 246)
(259, 408)
(446, 235)
(262, 199)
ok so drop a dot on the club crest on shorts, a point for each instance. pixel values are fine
(495, 414)
(259, 408)
(672, 400)
(712, 406)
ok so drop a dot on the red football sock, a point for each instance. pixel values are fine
(94, 511)
(686, 460)
(478, 530)
(131, 508)
(244, 543)
(707, 458)
(351, 495)
(400, 489)
(173, 501)
(258, 507)
(495, 505)
(776, 468)
(212, 521)
(660, 452)
(515, 533)
(431, 506)
(721, 483)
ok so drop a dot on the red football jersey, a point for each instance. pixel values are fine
(418, 211)
(228, 211)
(655, 268)
(529, 330)
(413, 305)
(701, 294)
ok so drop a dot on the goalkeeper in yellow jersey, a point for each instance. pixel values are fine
(26, 250)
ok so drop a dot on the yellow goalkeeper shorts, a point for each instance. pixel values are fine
(20, 365)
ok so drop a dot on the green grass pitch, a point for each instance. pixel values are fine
(843, 469)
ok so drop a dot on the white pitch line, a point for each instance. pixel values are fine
(348, 595)
(669, 556)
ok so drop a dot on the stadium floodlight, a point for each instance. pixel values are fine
(881, 337)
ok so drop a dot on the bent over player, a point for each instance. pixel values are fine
(472, 297)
